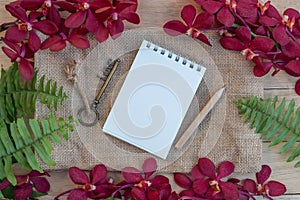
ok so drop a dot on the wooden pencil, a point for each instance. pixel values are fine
(199, 118)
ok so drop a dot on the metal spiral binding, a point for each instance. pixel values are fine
(170, 55)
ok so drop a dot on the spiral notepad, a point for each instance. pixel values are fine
(154, 99)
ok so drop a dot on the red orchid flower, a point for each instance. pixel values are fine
(27, 25)
(20, 54)
(223, 9)
(26, 183)
(242, 42)
(213, 187)
(193, 26)
(264, 187)
(95, 186)
(65, 35)
(186, 182)
(144, 187)
(48, 8)
(83, 16)
(115, 12)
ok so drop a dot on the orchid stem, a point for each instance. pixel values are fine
(247, 194)
(292, 36)
(62, 194)
(121, 188)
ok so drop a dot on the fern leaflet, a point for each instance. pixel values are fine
(275, 120)
(18, 97)
(28, 138)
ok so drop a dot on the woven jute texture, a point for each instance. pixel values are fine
(221, 136)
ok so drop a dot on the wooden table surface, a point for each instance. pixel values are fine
(154, 13)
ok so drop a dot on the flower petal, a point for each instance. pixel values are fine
(204, 39)
(183, 180)
(26, 69)
(23, 193)
(232, 44)
(268, 21)
(34, 42)
(280, 35)
(78, 176)
(153, 194)
(293, 68)
(225, 169)
(250, 186)
(275, 188)
(77, 194)
(225, 17)
(50, 41)
(273, 13)
(188, 14)
(204, 20)
(41, 184)
(291, 49)
(230, 190)
(201, 186)
(116, 28)
(132, 175)
(17, 11)
(14, 34)
(292, 13)
(263, 174)
(207, 167)
(262, 43)
(131, 17)
(244, 34)
(98, 173)
(91, 22)
(31, 4)
(159, 180)
(79, 41)
(196, 174)
(211, 6)
(261, 68)
(138, 194)
(4, 184)
(76, 19)
(58, 45)
(65, 6)
(297, 87)
(149, 167)
(165, 191)
(11, 54)
(45, 26)
(175, 27)
(54, 15)
(102, 33)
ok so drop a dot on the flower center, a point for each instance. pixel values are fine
(24, 26)
(215, 185)
(114, 16)
(263, 5)
(193, 32)
(83, 6)
(288, 22)
(48, 3)
(89, 187)
(249, 54)
(143, 184)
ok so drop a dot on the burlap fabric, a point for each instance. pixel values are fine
(221, 136)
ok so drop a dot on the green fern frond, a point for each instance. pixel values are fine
(18, 97)
(19, 140)
(275, 120)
